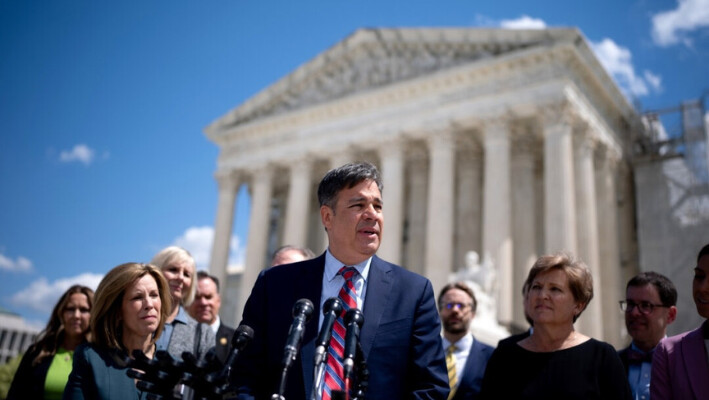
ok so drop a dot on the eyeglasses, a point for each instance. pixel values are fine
(644, 307)
(460, 306)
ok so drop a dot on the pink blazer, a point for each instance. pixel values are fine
(680, 369)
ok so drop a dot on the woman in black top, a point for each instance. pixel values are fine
(555, 361)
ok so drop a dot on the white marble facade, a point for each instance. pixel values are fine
(510, 143)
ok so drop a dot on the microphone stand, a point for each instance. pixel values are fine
(302, 310)
(331, 311)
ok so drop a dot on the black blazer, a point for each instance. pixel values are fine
(223, 346)
(400, 337)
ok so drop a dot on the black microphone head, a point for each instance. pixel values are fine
(305, 307)
(354, 315)
(242, 332)
(333, 304)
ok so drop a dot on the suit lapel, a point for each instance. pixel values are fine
(695, 362)
(379, 287)
(311, 282)
(471, 364)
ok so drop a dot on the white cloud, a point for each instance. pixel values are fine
(42, 295)
(21, 264)
(198, 241)
(671, 27)
(523, 22)
(81, 153)
(655, 81)
(617, 60)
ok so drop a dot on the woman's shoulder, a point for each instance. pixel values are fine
(684, 336)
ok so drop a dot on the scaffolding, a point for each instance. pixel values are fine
(673, 132)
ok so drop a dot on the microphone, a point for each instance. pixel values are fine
(331, 310)
(242, 337)
(353, 321)
(302, 310)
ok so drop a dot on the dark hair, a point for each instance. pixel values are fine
(345, 177)
(205, 275)
(461, 286)
(580, 279)
(52, 336)
(703, 252)
(664, 286)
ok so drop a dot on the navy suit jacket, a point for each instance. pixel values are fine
(623, 354)
(473, 372)
(400, 337)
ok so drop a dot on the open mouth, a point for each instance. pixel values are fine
(369, 231)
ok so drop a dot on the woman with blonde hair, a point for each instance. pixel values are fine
(182, 332)
(130, 309)
(45, 367)
(556, 361)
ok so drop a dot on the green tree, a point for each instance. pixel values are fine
(7, 372)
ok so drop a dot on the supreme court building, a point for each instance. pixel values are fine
(510, 143)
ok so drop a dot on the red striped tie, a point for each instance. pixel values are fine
(333, 372)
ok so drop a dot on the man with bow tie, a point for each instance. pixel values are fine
(649, 306)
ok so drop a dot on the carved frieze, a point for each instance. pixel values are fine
(372, 58)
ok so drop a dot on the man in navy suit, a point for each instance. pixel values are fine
(400, 338)
(466, 357)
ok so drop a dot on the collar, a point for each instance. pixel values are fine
(333, 265)
(465, 342)
(705, 330)
(215, 325)
(181, 316)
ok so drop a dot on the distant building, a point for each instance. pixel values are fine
(15, 335)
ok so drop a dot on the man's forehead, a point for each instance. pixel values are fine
(647, 290)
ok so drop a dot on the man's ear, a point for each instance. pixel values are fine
(326, 214)
(671, 314)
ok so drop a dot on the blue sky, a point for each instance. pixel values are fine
(102, 106)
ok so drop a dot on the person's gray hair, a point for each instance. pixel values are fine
(346, 177)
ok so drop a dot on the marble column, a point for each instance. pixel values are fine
(341, 158)
(609, 252)
(591, 321)
(295, 232)
(468, 215)
(559, 210)
(439, 216)
(228, 182)
(416, 210)
(524, 216)
(497, 212)
(258, 233)
(392, 163)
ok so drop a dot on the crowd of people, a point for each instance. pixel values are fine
(415, 346)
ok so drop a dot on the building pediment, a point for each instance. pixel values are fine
(374, 58)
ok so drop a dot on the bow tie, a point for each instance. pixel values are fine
(638, 357)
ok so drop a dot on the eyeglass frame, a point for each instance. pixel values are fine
(629, 305)
(452, 305)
